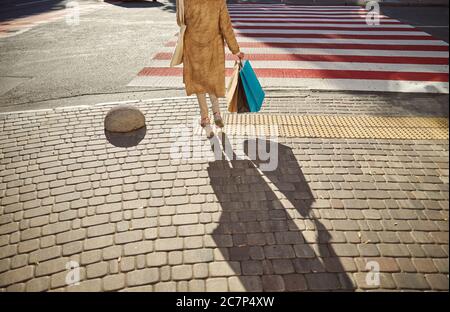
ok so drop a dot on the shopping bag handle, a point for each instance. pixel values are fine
(238, 62)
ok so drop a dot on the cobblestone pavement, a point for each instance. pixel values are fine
(137, 220)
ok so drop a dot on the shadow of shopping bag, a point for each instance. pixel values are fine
(253, 91)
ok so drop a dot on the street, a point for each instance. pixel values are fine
(339, 183)
(56, 64)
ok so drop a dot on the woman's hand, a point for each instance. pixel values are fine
(240, 55)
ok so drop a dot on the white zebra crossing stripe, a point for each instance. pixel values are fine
(340, 41)
(311, 19)
(346, 32)
(290, 51)
(331, 65)
(312, 25)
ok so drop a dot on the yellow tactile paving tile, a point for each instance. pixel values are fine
(328, 126)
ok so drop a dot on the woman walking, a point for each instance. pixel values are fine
(207, 25)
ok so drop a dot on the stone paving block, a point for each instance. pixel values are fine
(285, 238)
(95, 220)
(38, 221)
(5, 265)
(196, 286)
(388, 237)
(16, 276)
(309, 265)
(386, 264)
(70, 236)
(423, 225)
(413, 281)
(200, 270)
(122, 226)
(441, 265)
(434, 251)
(58, 280)
(273, 283)
(45, 254)
(363, 281)
(127, 264)
(56, 228)
(98, 269)
(322, 281)
(406, 265)
(113, 282)
(38, 284)
(416, 251)
(239, 253)
(440, 237)
(140, 261)
(245, 283)
(295, 282)
(182, 286)
(424, 265)
(345, 225)
(193, 242)
(165, 287)
(256, 239)
(50, 267)
(437, 282)
(182, 272)
(156, 259)
(72, 248)
(368, 250)
(98, 242)
(28, 246)
(224, 268)
(393, 250)
(93, 285)
(279, 252)
(128, 237)
(143, 223)
(137, 248)
(100, 230)
(396, 225)
(91, 256)
(198, 255)
(150, 233)
(175, 257)
(346, 250)
(112, 252)
(216, 284)
(142, 277)
(185, 219)
(191, 230)
(282, 266)
(167, 244)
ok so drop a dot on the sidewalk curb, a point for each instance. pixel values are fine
(96, 105)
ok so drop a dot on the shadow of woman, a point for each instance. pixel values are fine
(264, 215)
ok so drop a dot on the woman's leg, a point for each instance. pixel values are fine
(215, 103)
(216, 110)
(205, 123)
(201, 97)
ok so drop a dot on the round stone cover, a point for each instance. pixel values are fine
(124, 118)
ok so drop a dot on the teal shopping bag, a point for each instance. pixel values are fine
(252, 88)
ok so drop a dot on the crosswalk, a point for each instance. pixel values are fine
(324, 48)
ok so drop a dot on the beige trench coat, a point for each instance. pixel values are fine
(208, 24)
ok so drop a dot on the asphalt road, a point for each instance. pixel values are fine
(56, 64)
(433, 20)
(11, 9)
